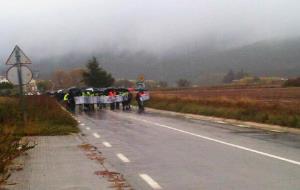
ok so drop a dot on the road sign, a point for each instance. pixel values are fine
(17, 53)
(140, 85)
(141, 78)
(13, 76)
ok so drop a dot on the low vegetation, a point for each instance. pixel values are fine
(6, 88)
(292, 82)
(44, 116)
(279, 106)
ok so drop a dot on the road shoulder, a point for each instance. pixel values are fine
(237, 123)
(56, 162)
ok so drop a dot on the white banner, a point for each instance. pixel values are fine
(105, 99)
(145, 96)
(108, 99)
(119, 98)
(79, 100)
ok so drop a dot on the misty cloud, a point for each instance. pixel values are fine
(54, 27)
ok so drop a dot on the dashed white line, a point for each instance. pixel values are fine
(82, 124)
(87, 128)
(123, 158)
(96, 135)
(221, 122)
(150, 181)
(107, 144)
(245, 126)
(276, 131)
(223, 142)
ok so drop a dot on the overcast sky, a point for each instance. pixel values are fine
(51, 27)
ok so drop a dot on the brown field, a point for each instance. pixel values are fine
(274, 105)
(288, 96)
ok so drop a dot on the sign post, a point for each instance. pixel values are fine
(19, 74)
(140, 84)
(18, 64)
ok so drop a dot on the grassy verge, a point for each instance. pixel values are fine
(241, 109)
(44, 116)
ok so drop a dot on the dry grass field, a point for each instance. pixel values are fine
(273, 105)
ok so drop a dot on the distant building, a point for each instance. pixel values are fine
(3, 79)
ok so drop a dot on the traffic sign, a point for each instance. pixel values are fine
(13, 76)
(141, 78)
(140, 85)
(18, 53)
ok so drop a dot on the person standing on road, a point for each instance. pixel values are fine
(85, 105)
(129, 100)
(139, 100)
(111, 96)
(66, 100)
(117, 104)
(71, 101)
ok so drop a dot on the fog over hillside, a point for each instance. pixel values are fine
(166, 40)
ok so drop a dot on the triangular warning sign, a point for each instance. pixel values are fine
(17, 52)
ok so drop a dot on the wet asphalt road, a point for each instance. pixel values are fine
(186, 154)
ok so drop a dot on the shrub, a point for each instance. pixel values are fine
(293, 82)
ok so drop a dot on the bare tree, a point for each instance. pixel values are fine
(61, 79)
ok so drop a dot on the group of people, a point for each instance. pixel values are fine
(126, 99)
(99, 98)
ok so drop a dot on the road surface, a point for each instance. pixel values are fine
(155, 151)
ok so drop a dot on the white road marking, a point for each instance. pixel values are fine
(82, 124)
(107, 144)
(96, 135)
(150, 181)
(222, 122)
(245, 126)
(276, 131)
(88, 128)
(223, 142)
(123, 158)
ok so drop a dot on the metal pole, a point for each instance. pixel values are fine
(18, 63)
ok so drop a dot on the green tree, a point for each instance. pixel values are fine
(183, 83)
(6, 85)
(6, 88)
(162, 84)
(241, 74)
(229, 77)
(293, 82)
(96, 76)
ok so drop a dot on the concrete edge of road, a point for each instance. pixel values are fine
(234, 122)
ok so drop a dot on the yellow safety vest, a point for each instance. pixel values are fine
(66, 97)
